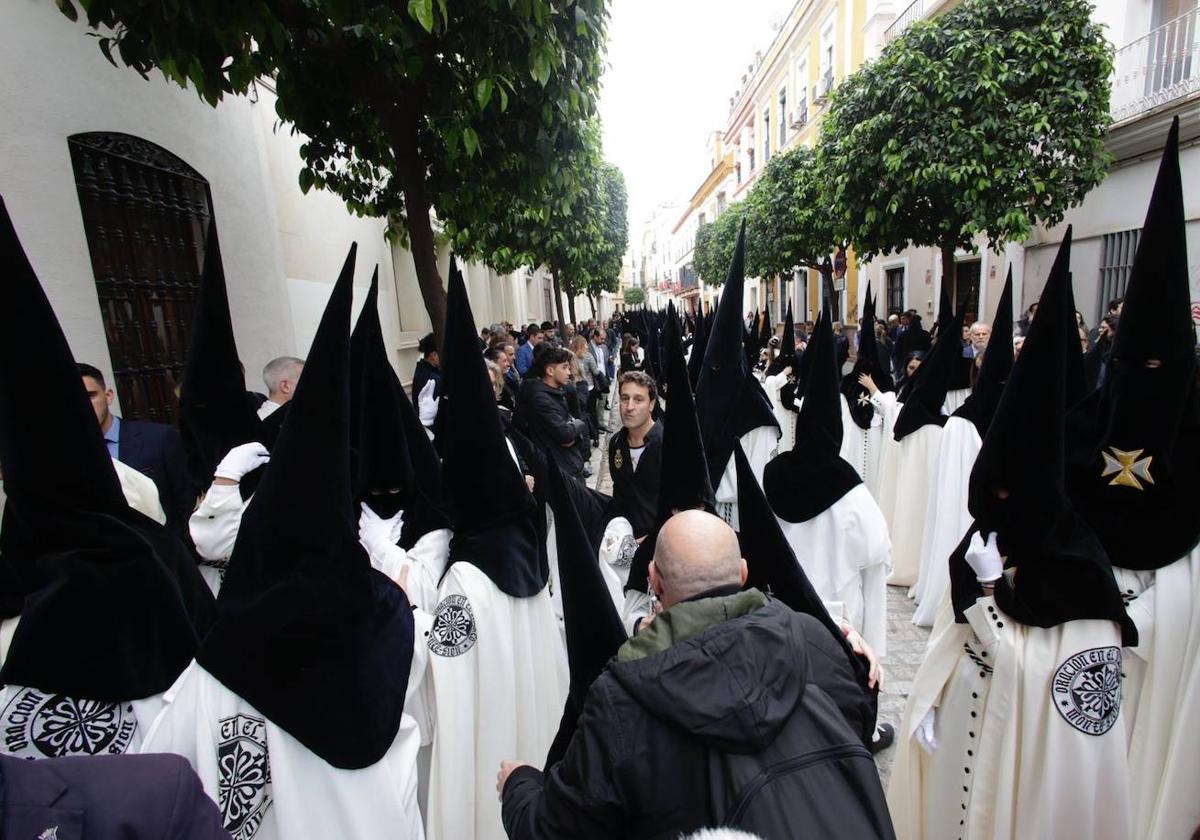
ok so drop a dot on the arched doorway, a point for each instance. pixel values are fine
(145, 214)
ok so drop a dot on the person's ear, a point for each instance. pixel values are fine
(655, 580)
(108, 396)
(745, 572)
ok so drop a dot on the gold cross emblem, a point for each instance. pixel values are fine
(1128, 468)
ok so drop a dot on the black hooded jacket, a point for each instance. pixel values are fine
(657, 732)
(545, 417)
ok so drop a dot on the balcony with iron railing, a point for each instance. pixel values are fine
(914, 12)
(1160, 67)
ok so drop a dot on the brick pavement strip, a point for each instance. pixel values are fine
(906, 641)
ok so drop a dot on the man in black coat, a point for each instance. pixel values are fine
(154, 449)
(727, 708)
(543, 416)
(635, 453)
(103, 797)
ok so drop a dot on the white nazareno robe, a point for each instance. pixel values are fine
(269, 786)
(1030, 738)
(954, 399)
(760, 445)
(140, 491)
(846, 555)
(783, 415)
(214, 528)
(1161, 696)
(862, 447)
(946, 516)
(48, 724)
(905, 469)
(500, 681)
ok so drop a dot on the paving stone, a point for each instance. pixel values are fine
(906, 649)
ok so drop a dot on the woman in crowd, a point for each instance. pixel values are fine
(588, 369)
(631, 355)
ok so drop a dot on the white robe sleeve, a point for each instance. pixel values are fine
(214, 525)
(140, 491)
(636, 607)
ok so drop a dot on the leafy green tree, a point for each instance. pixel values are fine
(791, 224)
(406, 106)
(715, 242)
(635, 296)
(577, 229)
(987, 119)
(604, 272)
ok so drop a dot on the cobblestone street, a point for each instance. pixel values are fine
(906, 641)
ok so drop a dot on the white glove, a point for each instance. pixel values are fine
(376, 534)
(427, 404)
(924, 734)
(242, 460)
(984, 557)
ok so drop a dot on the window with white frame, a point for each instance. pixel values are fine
(802, 87)
(783, 122)
(827, 45)
(766, 134)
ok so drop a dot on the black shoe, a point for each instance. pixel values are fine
(885, 734)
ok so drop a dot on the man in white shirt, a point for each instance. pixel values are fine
(280, 376)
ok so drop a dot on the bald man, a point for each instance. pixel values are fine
(719, 686)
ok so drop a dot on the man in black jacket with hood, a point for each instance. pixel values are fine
(723, 710)
(542, 412)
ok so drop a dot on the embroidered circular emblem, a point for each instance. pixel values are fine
(243, 775)
(453, 631)
(625, 552)
(1087, 689)
(37, 724)
(618, 460)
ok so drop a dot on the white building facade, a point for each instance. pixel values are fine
(112, 179)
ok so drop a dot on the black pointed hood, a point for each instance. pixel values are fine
(308, 633)
(772, 567)
(384, 477)
(1135, 481)
(869, 361)
(1017, 488)
(729, 401)
(766, 329)
(492, 511)
(787, 346)
(215, 414)
(806, 481)
(671, 351)
(368, 318)
(593, 628)
(980, 406)
(388, 443)
(113, 603)
(684, 483)
(923, 406)
(695, 362)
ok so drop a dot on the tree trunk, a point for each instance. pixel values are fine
(592, 302)
(827, 292)
(417, 205)
(424, 254)
(947, 274)
(569, 288)
(558, 307)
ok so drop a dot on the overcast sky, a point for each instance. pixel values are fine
(672, 66)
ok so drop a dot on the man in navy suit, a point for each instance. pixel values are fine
(154, 449)
(105, 796)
